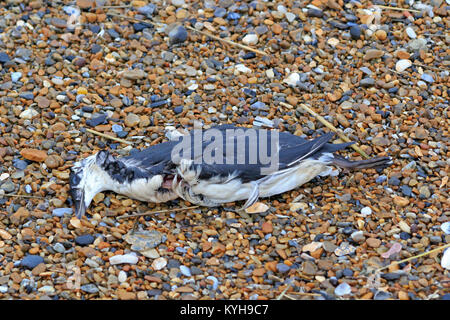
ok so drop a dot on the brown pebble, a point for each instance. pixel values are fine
(267, 227)
(34, 154)
(373, 242)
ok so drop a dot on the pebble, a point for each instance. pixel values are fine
(60, 212)
(292, 79)
(402, 65)
(411, 33)
(358, 236)
(122, 277)
(445, 260)
(177, 35)
(16, 76)
(367, 82)
(185, 271)
(123, 258)
(28, 114)
(4, 57)
(250, 39)
(159, 263)
(427, 77)
(342, 289)
(58, 247)
(84, 240)
(89, 288)
(30, 261)
(446, 227)
(355, 32)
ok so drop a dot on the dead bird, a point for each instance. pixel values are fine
(212, 167)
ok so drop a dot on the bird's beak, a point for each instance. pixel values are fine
(78, 199)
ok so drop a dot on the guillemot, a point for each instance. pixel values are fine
(213, 167)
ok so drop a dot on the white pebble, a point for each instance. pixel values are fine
(411, 33)
(159, 263)
(250, 39)
(402, 65)
(58, 81)
(366, 211)
(292, 79)
(270, 74)
(193, 87)
(28, 114)
(15, 76)
(446, 227)
(122, 276)
(178, 3)
(123, 258)
(242, 68)
(185, 271)
(290, 16)
(342, 289)
(445, 260)
(46, 289)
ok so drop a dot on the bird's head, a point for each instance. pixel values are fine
(87, 178)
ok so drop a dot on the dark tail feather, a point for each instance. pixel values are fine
(379, 162)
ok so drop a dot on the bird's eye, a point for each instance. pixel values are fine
(74, 179)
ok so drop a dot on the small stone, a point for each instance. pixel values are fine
(381, 141)
(125, 295)
(84, 240)
(411, 33)
(132, 120)
(159, 263)
(373, 242)
(257, 207)
(89, 288)
(292, 79)
(446, 227)
(122, 277)
(28, 114)
(404, 226)
(15, 76)
(282, 268)
(58, 247)
(400, 201)
(402, 65)
(342, 289)
(53, 161)
(4, 57)
(373, 54)
(34, 154)
(134, 74)
(250, 39)
(355, 32)
(445, 260)
(366, 211)
(358, 236)
(185, 271)
(380, 34)
(427, 77)
(125, 258)
(309, 268)
(177, 35)
(367, 82)
(39, 269)
(31, 261)
(267, 227)
(60, 212)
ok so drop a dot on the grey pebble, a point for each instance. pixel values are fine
(30, 261)
(177, 35)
